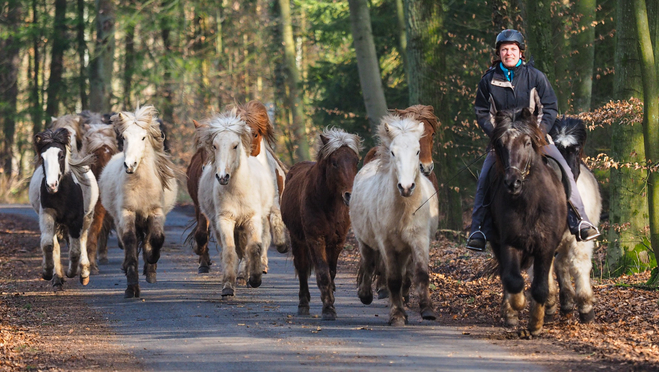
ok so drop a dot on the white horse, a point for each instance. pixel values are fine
(394, 216)
(63, 191)
(236, 194)
(138, 189)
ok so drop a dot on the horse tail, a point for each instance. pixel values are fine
(80, 166)
(189, 239)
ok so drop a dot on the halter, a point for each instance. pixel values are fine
(526, 171)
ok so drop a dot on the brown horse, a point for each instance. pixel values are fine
(315, 211)
(256, 116)
(98, 140)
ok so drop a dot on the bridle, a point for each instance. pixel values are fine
(524, 173)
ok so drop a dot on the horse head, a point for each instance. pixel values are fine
(139, 131)
(517, 141)
(53, 150)
(426, 115)
(569, 135)
(400, 139)
(338, 155)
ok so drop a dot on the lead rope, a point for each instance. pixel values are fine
(451, 179)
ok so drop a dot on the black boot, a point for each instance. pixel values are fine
(580, 228)
(476, 241)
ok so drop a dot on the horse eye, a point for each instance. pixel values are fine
(392, 154)
(214, 147)
(235, 147)
(418, 152)
(334, 164)
(143, 138)
(255, 135)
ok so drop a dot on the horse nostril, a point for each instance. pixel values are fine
(217, 176)
(400, 187)
(413, 186)
(125, 165)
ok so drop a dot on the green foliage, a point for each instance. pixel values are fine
(636, 260)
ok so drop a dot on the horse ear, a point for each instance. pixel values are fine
(421, 126)
(386, 128)
(197, 125)
(37, 138)
(324, 139)
(526, 113)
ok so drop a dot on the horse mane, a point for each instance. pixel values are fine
(71, 122)
(334, 138)
(62, 136)
(256, 116)
(145, 118)
(391, 126)
(97, 136)
(508, 122)
(89, 117)
(423, 113)
(227, 121)
(569, 132)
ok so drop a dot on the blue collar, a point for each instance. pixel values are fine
(509, 74)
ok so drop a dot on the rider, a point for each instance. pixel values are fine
(511, 83)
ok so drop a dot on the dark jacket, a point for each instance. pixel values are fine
(505, 95)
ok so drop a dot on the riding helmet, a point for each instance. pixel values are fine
(510, 36)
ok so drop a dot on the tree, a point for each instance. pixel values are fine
(60, 44)
(584, 59)
(11, 13)
(628, 208)
(650, 117)
(101, 66)
(367, 62)
(539, 46)
(82, 50)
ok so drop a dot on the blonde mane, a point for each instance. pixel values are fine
(334, 138)
(145, 118)
(228, 121)
(392, 126)
(97, 136)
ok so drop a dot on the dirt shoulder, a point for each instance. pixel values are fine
(41, 330)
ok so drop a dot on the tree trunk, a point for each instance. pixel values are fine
(584, 60)
(539, 39)
(166, 23)
(628, 208)
(402, 34)
(9, 65)
(129, 60)
(82, 49)
(36, 107)
(650, 117)
(57, 59)
(562, 51)
(293, 81)
(100, 77)
(415, 31)
(367, 62)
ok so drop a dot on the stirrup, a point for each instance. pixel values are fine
(473, 247)
(587, 226)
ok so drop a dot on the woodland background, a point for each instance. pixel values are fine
(319, 63)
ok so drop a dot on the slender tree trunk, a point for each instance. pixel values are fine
(650, 117)
(584, 60)
(60, 44)
(9, 65)
(293, 81)
(539, 33)
(166, 24)
(628, 208)
(100, 77)
(653, 18)
(129, 57)
(36, 107)
(415, 31)
(82, 50)
(562, 53)
(367, 62)
(402, 33)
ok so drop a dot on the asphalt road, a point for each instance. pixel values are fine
(181, 323)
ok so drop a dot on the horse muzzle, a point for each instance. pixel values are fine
(52, 188)
(346, 198)
(130, 169)
(223, 180)
(406, 191)
(513, 185)
(427, 169)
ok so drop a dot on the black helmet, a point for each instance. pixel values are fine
(510, 36)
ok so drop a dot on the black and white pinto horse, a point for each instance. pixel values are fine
(63, 191)
(573, 259)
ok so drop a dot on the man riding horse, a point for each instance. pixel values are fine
(511, 83)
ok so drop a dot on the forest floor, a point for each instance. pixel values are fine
(52, 332)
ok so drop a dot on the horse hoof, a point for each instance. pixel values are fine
(153, 257)
(132, 291)
(227, 292)
(57, 288)
(510, 322)
(329, 314)
(103, 261)
(47, 276)
(303, 310)
(398, 321)
(254, 282)
(265, 270)
(94, 270)
(203, 270)
(549, 318)
(71, 274)
(535, 332)
(587, 317)
(84, 280)
(151, 277)
(382, 294)
(428, 314)
(525, 334)
(282, 248)
(366, 298)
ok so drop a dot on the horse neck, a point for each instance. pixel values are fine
(319, 188)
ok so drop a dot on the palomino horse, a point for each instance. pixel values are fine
(390, 219)
(529, 211)
(138, 189)
(63, 192)
(98, 140)
(236, 194)
(255, 115)
(426, 115)
(315, 211)
(573, 258)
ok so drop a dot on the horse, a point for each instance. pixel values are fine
(98, 140)
(255, 115)
(63, 192)
(138, 189)
(394, 217)
(74, 124)
(529, 211)
(236, 195)
(315, 211)
(573, 259)
(426, 115)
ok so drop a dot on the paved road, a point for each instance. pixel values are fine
(181, 323)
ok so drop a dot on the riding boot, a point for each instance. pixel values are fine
(481, 223)
(578, 221)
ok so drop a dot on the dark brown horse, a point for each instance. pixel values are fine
(256, 116)
(315, 210)
(529, 211)
(98, 140)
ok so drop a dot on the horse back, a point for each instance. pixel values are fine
(370, 155)
(193, 174)
(103, 155)
(292, 197)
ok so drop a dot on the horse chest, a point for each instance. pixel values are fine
(67, 203)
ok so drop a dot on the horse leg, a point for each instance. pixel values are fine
(421, 280)
(581, 257)
(542, 264)
(395, 262)
(513, 284)
(92, 237)
(318, 250)
(84, 259)
(103, 238)
(225, 236)
(266, 240)
(407, 281)
(200, 247)
(155, 236)
(562, 269)
(278, 230)
(254, 253)
(303, 269)
(48, 238)
(129, 241)
(365, 273)
(381, 279)
(508, 312)
(552, 305)
(149, 270)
